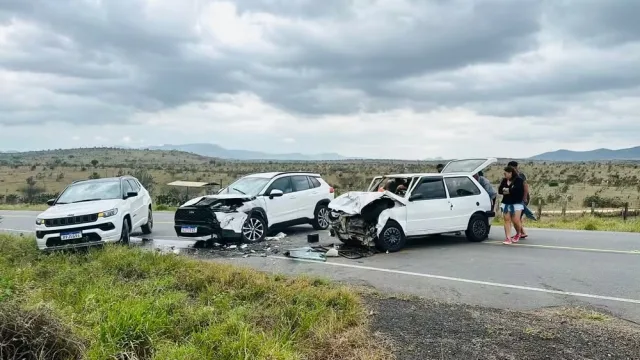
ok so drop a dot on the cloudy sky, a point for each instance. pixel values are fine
(374, 78)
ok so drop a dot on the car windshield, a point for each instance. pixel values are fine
(91, 191)
(396, 185)
(246, 186)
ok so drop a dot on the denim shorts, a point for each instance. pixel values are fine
(511, 208)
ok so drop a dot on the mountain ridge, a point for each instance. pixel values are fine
(602, 154)
(217, 151)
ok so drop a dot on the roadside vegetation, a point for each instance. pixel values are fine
(586, 222)
(126, 303)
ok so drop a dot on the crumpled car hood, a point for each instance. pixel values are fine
(223, 196)
(353, 202)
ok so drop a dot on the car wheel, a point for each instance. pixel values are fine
(125, 236)
(254, 229)
(321, 218)
(478, 229)
(148, 227)
(391, 238)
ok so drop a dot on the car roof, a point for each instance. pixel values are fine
(269, 175)
(105, 179)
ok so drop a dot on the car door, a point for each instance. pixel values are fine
(429, 209)
(130, 203)
(466, 198)
(139, 202)
(304, 199)
(280, 209)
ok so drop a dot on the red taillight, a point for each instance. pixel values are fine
(331, 190)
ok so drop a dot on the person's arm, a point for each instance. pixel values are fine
(502, 185)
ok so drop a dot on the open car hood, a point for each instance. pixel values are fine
(354, 201)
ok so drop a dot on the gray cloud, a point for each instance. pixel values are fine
(112, 59)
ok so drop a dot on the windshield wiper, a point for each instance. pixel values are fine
(240, 191)
(87, 200)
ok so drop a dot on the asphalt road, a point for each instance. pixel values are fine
(550, 268)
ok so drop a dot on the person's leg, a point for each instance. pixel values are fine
(523, 234)
(517, 224)
(507, 226)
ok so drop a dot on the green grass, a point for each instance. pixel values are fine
(31, 207)
(586, 222)
(119, 302)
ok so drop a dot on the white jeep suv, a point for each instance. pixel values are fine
(255, 204)
(92, 212)
(425, 204)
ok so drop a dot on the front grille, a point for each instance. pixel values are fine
(194, 215)
(71, 220)
(103, 227)
(86, 238)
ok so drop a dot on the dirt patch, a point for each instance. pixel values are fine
(420, 329)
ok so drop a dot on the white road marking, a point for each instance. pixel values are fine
(17, 230)
(468, 281)
(633, 252)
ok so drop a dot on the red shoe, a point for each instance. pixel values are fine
(507, 242)
(515, 239)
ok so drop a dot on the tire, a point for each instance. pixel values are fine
(125, 236)
(478, 229)
(321, 217)
(254, 229)
(148, 227)
(391, 238)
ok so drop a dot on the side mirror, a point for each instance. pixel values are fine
(415, 197)
(51, 202)
(275, 193)
(131, 194)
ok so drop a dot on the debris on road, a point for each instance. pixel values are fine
(307, 253)
(280, 236)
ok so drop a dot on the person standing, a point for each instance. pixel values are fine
(525, 198)
(486, 184)
(512, 190)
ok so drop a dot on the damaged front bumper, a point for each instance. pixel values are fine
(353, 229)
(196, 222)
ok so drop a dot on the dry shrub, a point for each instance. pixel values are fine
(35, 335)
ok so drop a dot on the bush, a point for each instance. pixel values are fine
(603, 202)
(36, 334)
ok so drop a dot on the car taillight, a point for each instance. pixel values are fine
(331, 190)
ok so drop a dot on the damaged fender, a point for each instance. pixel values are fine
(361, 216)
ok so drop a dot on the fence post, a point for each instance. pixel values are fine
(625, 212)
(564, 207)
(539, 212)
(593, 208)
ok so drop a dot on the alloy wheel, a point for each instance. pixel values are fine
(253, 229)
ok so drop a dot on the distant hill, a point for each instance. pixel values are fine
(213, 150)
(592, 155)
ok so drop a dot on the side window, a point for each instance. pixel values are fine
(126, 187)
(314, 182)
(431, 189)
(461, 186)
(300, 183)
(283, 184)
(134, 185)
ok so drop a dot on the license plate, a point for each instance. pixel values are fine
(71, 236)
(189, 229)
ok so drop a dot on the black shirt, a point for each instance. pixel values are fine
(516, 191)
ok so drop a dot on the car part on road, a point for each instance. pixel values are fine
(307, 253)
(313, 238)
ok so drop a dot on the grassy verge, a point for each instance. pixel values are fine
(586, 222)
(42, 207)
(124, 303)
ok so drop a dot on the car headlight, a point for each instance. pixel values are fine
(108, 213)
(39, 221)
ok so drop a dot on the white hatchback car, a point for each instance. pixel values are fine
(255, 204)
(92, 212)
(427, 204)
